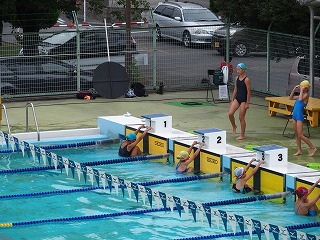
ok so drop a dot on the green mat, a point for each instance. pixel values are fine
(190, 104)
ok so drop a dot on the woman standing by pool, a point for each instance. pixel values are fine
(240, 98)
(298, 116)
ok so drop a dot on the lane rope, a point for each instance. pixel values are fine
(69, 145)
(150, 183)
(134, 212)
(94, 163)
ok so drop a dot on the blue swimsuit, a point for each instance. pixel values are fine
(177, 171)
(310, 212)
(297, 113)
(241, 90)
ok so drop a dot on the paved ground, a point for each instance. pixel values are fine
(71, 113)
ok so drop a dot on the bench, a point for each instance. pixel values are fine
(284, 106)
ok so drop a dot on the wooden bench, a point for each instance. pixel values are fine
(284, 105)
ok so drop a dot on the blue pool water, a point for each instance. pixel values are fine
(155, 225)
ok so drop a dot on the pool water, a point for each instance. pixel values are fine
(155, 225)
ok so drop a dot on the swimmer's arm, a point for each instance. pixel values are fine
(138, 129)
(249, 164)
(248, 86)
(312, 201)
(313, 186)
(234, 91)
(132, 145)
(196, 153)
(191, 147)
(292, 97)
(249, 175)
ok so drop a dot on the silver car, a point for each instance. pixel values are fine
(300, 70)
(189, 23)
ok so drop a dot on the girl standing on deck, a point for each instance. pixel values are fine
(240, 98)
(298, 116)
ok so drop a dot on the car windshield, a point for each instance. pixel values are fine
(192, 15)
(60, 38)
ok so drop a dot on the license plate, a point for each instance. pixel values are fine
(216, 44)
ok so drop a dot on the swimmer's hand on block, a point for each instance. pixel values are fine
(256, 160)
(198, 143)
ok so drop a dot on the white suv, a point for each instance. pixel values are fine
(189, 23)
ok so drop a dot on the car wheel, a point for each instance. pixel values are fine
(241, 49)
(186, 39)
(158, 34)
(8, 91)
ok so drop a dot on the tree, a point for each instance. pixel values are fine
(137, 6)
(286, 16)
(5, 8)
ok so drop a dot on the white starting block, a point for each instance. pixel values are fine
(212, 137)
(273, 155)
(158, 122)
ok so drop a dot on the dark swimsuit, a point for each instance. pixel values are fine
(243, 190)
(241, 90)
(177, 171)
(123, 152)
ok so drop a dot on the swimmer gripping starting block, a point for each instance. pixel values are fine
(159, 122)
(212, 137)
(273, 155)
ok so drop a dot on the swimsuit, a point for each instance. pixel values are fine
(177, 171)
(310, 212)
(243, 190)
(123, 152)
(297, 113)
(241, 90)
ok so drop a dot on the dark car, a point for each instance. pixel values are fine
(244, 41)
(22, 75)
(92, 41)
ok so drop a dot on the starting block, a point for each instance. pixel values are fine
(158, 122)
(273, 155)
(212, 137)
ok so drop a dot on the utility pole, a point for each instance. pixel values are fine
(128, 54)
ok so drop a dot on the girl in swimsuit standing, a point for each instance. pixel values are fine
(185, 159)
(298, 116)
(240, 98)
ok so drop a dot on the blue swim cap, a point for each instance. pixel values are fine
(242, 66)
(238, 171)
(131, 136)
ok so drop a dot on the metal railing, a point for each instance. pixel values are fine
(34, 117)
(7, 119)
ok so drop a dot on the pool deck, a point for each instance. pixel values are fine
(71, 113)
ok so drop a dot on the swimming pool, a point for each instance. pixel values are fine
(94, 214)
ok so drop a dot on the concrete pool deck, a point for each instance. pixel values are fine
(71, 113)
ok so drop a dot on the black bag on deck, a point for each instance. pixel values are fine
(139, 89)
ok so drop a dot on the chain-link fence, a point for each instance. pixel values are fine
(64, 61)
